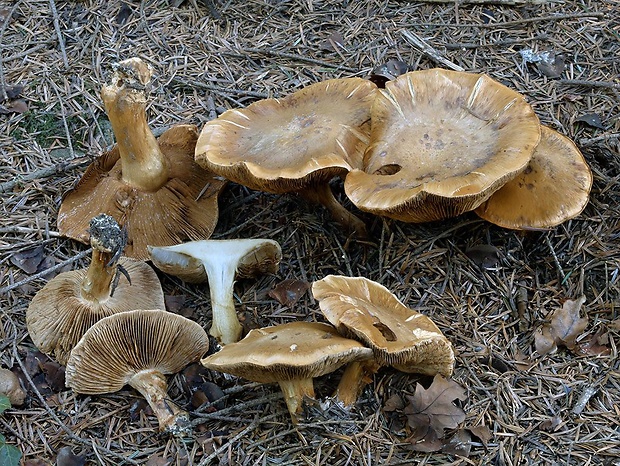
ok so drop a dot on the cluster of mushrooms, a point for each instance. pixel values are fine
(431, 145)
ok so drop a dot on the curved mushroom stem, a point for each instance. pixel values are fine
(322, 194)
(294, 392)
(153, 387)
(97, 283)
(143, 163)
(356, 376)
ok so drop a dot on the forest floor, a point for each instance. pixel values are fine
(489, 289)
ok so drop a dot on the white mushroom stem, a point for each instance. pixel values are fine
(356, 376)
(153, 387)
(143, 163)
(221, 261)
(322, 194)
(294, 392)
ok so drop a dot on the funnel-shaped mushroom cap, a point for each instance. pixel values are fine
(138, 348)
(151, 186)
(283, 145)
(441, 143)
(289, 351)
(60, 313)
(219, 261)
(554, 187)
(399, 336)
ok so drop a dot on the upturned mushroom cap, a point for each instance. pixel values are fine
(151, 186)
(59, 314)
(284, 145)
(554, 187)
(441, 143)
(294, 144)
(399, 337)
(219, 261)
(137, 348)
(291, 355)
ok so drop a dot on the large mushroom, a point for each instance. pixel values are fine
(70, 303)
(399, 336)
(151, 186)
(138, 348)
(554, 187)
(294, 144)
(442, 142)
(219, 262)
(291, 355)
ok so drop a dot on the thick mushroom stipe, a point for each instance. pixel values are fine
(152, 187)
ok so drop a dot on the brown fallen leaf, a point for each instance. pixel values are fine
(459, 444)
(596, 344)
(432, 410)
(29, 259)
(67, 458)
(288, 292)
(482, 432)
(14, 106)
(563, 328)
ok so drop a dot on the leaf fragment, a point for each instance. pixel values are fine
(288, 292)
(563, 328)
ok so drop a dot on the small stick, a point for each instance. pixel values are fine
(294, 56)
(583, 82)
(602, 137)
(61, 41)
(555, 259)
(428, 50)
(496, 2)
(41, 274)
(44, 173)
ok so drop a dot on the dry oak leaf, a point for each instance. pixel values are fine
(432, 410)
(563, 329)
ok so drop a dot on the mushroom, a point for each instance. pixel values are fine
(290, 354)
(399, 336)
(151, 186)
(62, 311)
(294, 144)
(441, 143)
(554, 187)
(138, 348)
(219, 261)
(10, 386)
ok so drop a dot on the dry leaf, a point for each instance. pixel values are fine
(482, 432)
(563, 329)
(67, 458)
(486, 256)
(29, 259)
(14, 106)
(394, 403)
(288, 292)
(596, 344)
(591, 119)
(432, 410)
(459, 444)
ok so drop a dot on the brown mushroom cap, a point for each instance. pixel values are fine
(59, 314)
(138, 348)
(288, 351)
(399, 336)
(284, 145)
(441, 143)
(10, 386)
(152, 187)
(553, 188)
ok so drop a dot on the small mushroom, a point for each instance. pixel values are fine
(294, 144)
(553, 188)
(290, 354)
(151, 186)
(70, 303)
(138, 348)
(399, 336)
(10, 386)
(441, 143)
(219, 261)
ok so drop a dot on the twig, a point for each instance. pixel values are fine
(496, 2)
(294, 56)
(26, 230)
(583, 399)
(516, 22)
(220, 89)
(236, 408)
(555, 259)
(64, 121)
(428, 50)
(61, 41)
(253, 425)
(603, 137)
(45, 173)
(41, 274)
(583, 82)
(499, 43)
(5, 24)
